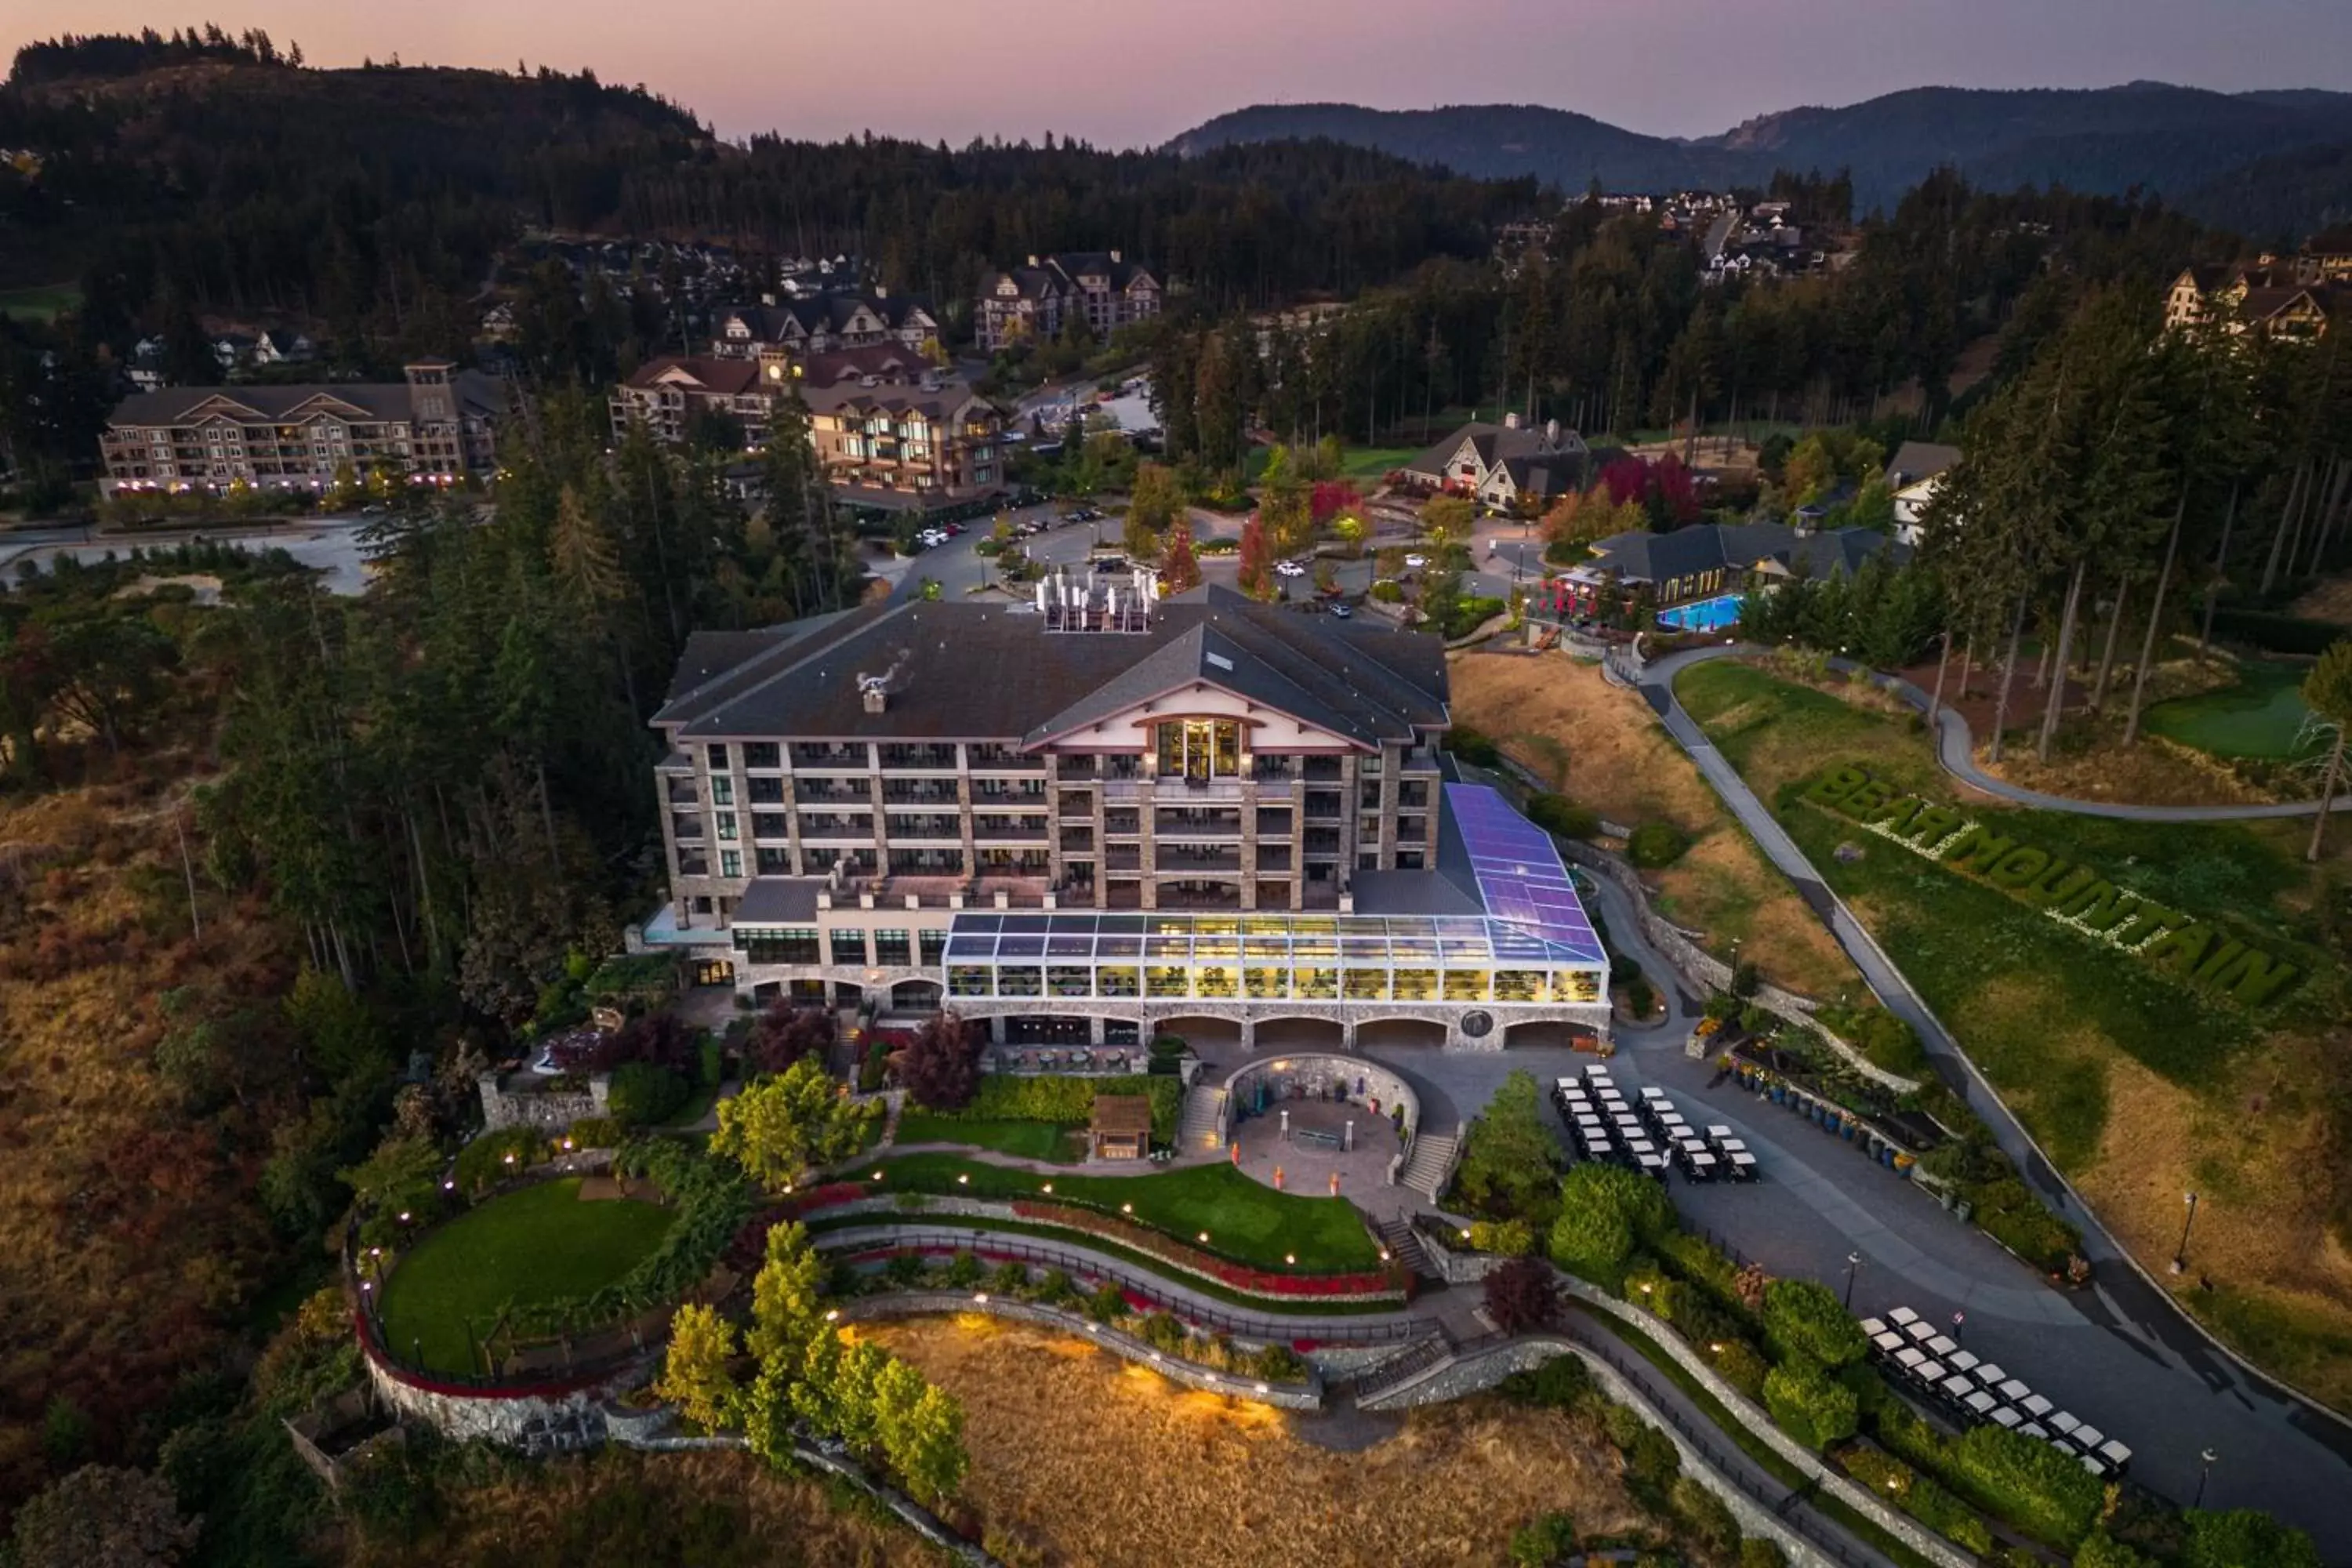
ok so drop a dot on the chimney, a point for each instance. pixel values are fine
(1114, 258)
(1551, 431)
(881, 291)
(1510, 421)
(875, 698)
(1033, 261)
(768, 299)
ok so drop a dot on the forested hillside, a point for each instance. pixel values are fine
(2149, 136)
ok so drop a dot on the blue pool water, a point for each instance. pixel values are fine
(1704, 614)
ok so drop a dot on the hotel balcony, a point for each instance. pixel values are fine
(834, 759)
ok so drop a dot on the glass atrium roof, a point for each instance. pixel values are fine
(1521, 877)
(1401, 942)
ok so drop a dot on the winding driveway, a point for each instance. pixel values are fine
(2285, 1453)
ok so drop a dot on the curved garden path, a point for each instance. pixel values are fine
(2166, 1385)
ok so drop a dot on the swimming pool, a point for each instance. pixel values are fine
(1703, 615)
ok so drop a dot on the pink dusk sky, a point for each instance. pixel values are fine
(1123, 74)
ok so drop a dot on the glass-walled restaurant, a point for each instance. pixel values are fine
(1077, 957)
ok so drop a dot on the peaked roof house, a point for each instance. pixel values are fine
(1499, 464)
(1913, 474)
(1710, 559)
(822, 323)
(2295, 304)
(1032, 302)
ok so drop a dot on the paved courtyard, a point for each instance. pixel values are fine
(1303, 1140)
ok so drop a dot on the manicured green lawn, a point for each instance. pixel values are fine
(540, 1244)
(1247, 1222)
(1030, 1140)
(2261, 716)
(39, 304)
(1374, 462)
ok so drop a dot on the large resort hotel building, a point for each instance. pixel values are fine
(1101, 815)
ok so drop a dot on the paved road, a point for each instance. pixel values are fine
(329, 544)
(2162, 1384)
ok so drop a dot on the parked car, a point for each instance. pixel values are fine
(1342, 611)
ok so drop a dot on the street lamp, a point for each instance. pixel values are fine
(2180, 1252)
(2204, 1468)
(1852, 1267)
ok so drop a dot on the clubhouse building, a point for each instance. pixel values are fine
(1094, 816)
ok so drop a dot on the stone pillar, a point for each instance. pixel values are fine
(1095, 1029)
(494, 1103)
(1249, 1034)
(600, 1090)
(1347, 1034)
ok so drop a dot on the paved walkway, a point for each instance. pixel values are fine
(2161, 1383)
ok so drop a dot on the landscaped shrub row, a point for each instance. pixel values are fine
(2036, 1487)
(1065, 1099)
(1916, 1495)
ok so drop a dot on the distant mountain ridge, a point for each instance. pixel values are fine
(2187, 143)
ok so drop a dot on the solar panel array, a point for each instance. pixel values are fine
(1521, 877)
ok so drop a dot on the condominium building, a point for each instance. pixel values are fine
(937, 439)
(1100, 286)
(822, 323)
(1103, 812)
(436, 426)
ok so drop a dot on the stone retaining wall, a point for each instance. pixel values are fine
(1456, 1267)
(1176, 1369)
(548, 1112)
(535, 1422)
(1709, 973)
(1359, 1081)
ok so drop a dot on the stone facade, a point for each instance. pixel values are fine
(548, 1112)
(1455, 1266)
(1356, 1080)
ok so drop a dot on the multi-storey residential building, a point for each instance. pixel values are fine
(2295, 304)
(437, 426)
(1084, 821)
(939, 439)
(822, 323)
(667, 395)
(1031, 302)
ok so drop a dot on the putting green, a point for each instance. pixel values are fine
(2260, 716)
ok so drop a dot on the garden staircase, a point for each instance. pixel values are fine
(1413, 1362)
(1432, 1163)
(1396, 1235)
(1203, 1107)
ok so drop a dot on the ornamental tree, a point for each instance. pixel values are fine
(777, 1127)
(921, 1431)
(1522, 1297)
(1605, 1212)
(1178, 572)
(694, 1369)
(1509, 1159)
(1257, 560)
(941, 1066)
(786, 1294)
(785, 1033)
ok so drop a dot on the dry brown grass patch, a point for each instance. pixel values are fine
(1724, 888)
(2154, 772)
(2330, 601)
(1095, 1462)
(1620, 762)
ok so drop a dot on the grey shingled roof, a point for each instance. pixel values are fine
(479, 395)
(1741, 546)
(1494, 442)
(979, 672)
(1916, 460)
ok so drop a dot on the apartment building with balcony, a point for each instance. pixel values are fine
(1101, 288)
(934, 441)
(823, 323)
(855, 805)
(436, 426)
